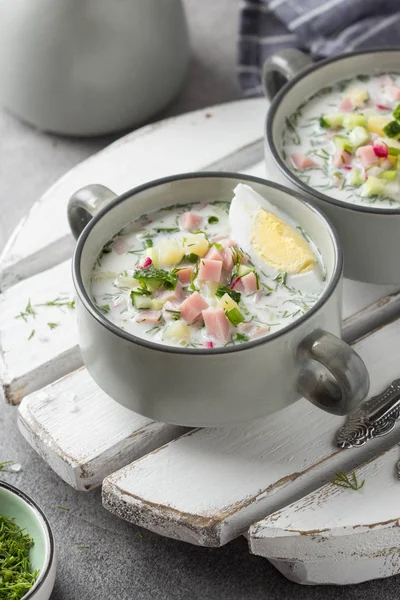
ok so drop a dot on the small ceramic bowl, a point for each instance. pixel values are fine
(27, 514)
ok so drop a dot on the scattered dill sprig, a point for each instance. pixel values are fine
(53, 325)
(16, 576)
(32, 333)
(61, 507)
(59, 301)
(28, 312)
(4, 466)
(346, 481)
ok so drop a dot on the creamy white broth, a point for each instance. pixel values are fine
(305, 136)
(280, 298)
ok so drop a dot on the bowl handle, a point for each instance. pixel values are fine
(333, 376)
(282, 66)
(85, 204)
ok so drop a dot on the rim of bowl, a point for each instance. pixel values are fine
(272, 148)
(90, 307)
(49, 558)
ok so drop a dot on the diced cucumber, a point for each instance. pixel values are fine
(243, 270)
(342, 143)
(374, 187)
(392, 129)
(141, 302)
(358, 136)
(331, 120)
(356, 177)
(396, 113)
(351, 121)
(391, 175)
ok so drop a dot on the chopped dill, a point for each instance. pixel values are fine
(348, 481)
(16, 575)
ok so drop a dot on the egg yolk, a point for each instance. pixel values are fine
(280, 245)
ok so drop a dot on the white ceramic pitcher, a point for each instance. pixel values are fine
(89, 67)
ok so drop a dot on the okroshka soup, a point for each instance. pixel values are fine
(208, 274)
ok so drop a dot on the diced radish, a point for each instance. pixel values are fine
(382, 107)
(210, 270)
(214, 254)
(367, 156)
(209, 344)
(148, 316)
(381, 150)
(236, 283)
(147, 262)
(227, 259)
(347, 168)
(346, 105)
(217, 324)
(120, 246)
(250, 283)
(189, 220)
(185, 274)
(301, 161)
(192, 307)
(341, 158)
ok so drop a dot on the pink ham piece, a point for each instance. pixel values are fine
(189, 220)
(246, 328)
(213, 254)
(346, 105)
(120, 246)
(249, 282)
(341, 158)
(148, 316)
(217, 324)
(237, 285)
(175, 295)
(227, 243)
(260, 331)
(302, 162)
(210, 270)
(167, 310)
(367, 156)
(192, 307)
(227, 259)
(185, 274)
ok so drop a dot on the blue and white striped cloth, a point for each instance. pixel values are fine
(320, 27)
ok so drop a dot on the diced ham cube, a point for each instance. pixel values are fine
(175, 295)
(227, 243)
(227, 259)
(192, 307)
(185, 274)
(367, 156)
(301, 161)
(189, 220)
(249, 282)
(346, 105)
(246, 327)
(213, 254)
(148, 316)
(260, 331)
(210, 270)
(120, 246)
(217, 324)
(341, 158)
(237, 285)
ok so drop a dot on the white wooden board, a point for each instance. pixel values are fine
(83, 434)
(338, 535)
(40, 344)
(208, 486)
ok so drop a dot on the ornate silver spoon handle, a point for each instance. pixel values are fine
(373, 418)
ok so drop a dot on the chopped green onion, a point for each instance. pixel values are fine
(213, 220)
(392, 129)
(192, 257)
(148, 243)
(235, 316)
(396, 113)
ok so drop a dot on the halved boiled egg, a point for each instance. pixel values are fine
(266, 237)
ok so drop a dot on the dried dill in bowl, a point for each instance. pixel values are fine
(16, 575)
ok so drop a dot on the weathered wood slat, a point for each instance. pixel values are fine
(83, 434)
(39, 345)
(208, 486)
(145, 154)
(337, 535)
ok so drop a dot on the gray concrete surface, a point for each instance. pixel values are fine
(120, 562)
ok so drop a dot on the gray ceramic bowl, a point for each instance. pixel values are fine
(15, 503)
(370, 236)
(222, 386)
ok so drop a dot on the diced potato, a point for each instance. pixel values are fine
(227, 303)
(196, 243)
(169, 253)
(358, 96)
(377, 123)
(177, 331)
(157, 304)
